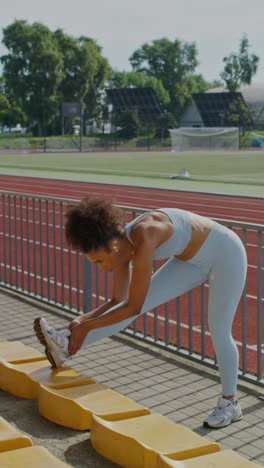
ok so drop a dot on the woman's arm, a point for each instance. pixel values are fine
(90, 315)
(138, 288)
(122, 277)
(147, 235)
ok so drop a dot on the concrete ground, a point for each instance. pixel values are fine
(164, 382)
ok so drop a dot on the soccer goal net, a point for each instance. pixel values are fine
(189, 138)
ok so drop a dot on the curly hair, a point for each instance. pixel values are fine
(92, 223)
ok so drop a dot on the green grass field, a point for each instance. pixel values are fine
(223, 171)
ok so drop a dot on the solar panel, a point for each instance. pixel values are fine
(219, 109)
(143, 101)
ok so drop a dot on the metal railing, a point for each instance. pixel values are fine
(35, 261)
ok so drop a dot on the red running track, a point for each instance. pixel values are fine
(237, 208)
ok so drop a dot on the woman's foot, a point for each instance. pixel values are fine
(226, 412)
(56, 342)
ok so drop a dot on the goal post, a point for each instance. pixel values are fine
(202, 138)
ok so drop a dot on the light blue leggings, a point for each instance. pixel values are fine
(221, 259)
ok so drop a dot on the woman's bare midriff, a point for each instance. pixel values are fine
(200, 230)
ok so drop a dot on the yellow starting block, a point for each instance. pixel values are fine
(225, 458)
(73, 407)
(138, 442)
(23, 379)
(11, 438)
(36, 456)
(16, 352)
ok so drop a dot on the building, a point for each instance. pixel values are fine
(210, 109)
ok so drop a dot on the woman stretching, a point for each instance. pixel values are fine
(196, 249)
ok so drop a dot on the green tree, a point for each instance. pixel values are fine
(32, 69)
(129, 124)
(4, 107)
(44, 68)
(85, 71)
(13, 116)
(10, 115)
(239, 68)
(4, 103)
(173, 63)
(238, 114)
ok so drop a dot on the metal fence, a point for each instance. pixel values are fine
(36, 262)
(80, 143)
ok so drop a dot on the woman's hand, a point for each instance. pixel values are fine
(74, 323)
(78, 334)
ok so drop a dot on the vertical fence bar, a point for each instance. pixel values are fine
(244, 315)
(28, 245)
(40, 249)
(97, 287)
(259, 305)
(22, 243)
(156, 317)
(16, 241)
(145, 324)
(167, 324)
(34, 245)
(203, 323)
(106, 288)
(10, 239)
(54, 227)
(77, 305)
(135, 326)
(70, 276)
(4, 238)
(178, 320)
(87, 285)
(190, 321)
(156, 323)
(62, 255)
(47, 248)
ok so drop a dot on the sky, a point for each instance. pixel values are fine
(122, 26)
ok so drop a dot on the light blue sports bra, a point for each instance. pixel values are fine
(181, 236)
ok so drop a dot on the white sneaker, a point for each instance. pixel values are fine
(226, 412)
(56, 342)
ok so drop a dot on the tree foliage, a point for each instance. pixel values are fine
(4, 103)
(238, 114)
(128, 123)
(241, 67)
(32, 68)
(10, 115)
(84, 70)
(173, 63)
(42, 69)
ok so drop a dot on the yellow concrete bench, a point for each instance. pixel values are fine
(73, 407)
(16, 352)
(225, 458)
(138, 442)
(37, 457)
(23, 379)
(11, 438)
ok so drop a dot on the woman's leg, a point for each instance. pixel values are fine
(174, 278)
(226, 283)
